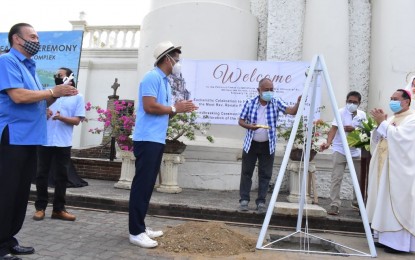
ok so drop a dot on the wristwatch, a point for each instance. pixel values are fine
(173, 109)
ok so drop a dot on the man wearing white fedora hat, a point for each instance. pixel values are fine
(152, 119)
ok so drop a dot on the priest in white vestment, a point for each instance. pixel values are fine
(391, 190)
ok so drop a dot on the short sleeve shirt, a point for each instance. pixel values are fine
(250, 115)
(26, 122)
(151, 127)
(59, 133)
(347, 119)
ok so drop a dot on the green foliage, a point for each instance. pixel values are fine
(318, 136)
(184, 124)
(360, 137)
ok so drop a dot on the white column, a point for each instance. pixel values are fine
(169, 173)
(80, 133)
(127, 169)
(296, 177)
(392, 49)
(326, 32)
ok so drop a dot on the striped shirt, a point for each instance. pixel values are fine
(250, 115)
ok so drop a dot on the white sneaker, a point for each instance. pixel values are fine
(143, 240)
(153, 234)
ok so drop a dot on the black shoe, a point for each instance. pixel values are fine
(392, 251)
(261, 208)
(334, 210)
(9, 257)
(355, 205)
(22, 250)
(243, 205)
(379, 245)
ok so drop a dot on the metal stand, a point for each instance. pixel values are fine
(318, 65)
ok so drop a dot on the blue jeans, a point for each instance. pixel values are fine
(258, 151)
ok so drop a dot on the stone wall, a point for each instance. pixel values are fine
(285, 27)
(211, 168)
(359, 44)
(220, 169)
(281, 26)
(259, 10)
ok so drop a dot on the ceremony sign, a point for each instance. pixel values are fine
(220, 88)
(57, 49)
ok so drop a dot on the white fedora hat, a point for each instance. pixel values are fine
(163, 48)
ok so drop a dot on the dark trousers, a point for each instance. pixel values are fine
(17, 167)
(45, 157)
(258, 151)
(147, 165)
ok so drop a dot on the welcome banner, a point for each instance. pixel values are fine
(221, 87)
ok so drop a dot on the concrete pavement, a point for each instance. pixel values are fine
(204, 204)
(104, 235)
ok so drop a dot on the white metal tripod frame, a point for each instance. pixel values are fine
(307, 236)
(317, 64)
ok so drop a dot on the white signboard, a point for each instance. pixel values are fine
(220, 88)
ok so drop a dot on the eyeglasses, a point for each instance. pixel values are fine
(353, 102)
(57, 76)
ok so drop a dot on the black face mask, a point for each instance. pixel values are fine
(58, 81)
(30, 47)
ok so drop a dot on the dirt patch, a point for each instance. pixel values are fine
(206, 238)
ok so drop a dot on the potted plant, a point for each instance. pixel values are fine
(360, 137)
(118, 122)
(181, 125)
(318, 136)
(184, 125)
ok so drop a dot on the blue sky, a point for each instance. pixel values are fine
(52, 15)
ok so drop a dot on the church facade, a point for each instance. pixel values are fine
(368, 47)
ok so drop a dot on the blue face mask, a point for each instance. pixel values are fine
(267, 95)
(395, 106)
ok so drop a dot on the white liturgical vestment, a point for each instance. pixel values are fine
(391, 187)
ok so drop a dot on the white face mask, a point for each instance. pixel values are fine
(351, 107)
(177, 67)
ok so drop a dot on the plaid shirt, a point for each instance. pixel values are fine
(250, 114)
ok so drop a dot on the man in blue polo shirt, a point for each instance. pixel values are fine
(23, 105)
(63, 115)
(152, 119)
